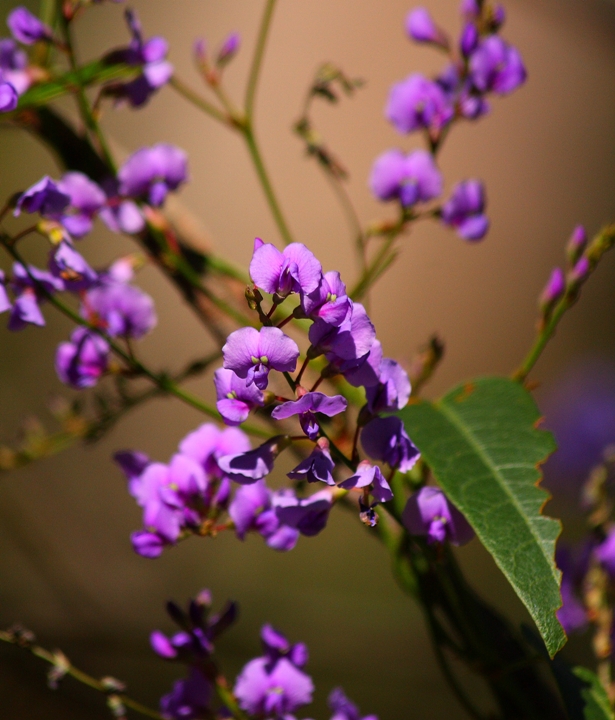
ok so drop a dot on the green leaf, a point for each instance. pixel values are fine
(484, 449)
(595, 701)
(96, 73)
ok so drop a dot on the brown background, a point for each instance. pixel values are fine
(546, 154)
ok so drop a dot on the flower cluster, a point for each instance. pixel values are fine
(480, 63)
(272, 686)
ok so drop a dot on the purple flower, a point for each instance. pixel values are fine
(28, 295)
(572, 615)
(465, 210)
(228, 49)
(386, 439)
(124, 310)
(576, 244)
(307, 407)
(369, 475)
(344, 709)
(276, 646)
(328, 302)
(26, 27)
(132, 464)
(416, 103)
(147, 544)
(68, 265)
(428, 512)
(13, 67)
(8, 97)
(207, 444)
(81, 362)
(189, 699)
(252, 354)
(469, 39)
(317, 467)
(248, 467)
(421, 28)
(86, 200)
(150, 173)
(151, 56)
(348, 345)
(605, 552)
(470, 8)
(235, 399)
(409, 178)
(281, 273)
(308, 515)
(495, 66)
(45, 198)
(273, 694)
(184, 482)
(392, 391)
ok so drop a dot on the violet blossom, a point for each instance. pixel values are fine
(428, 512)
(87, 199)
(29, 287)
(189, 699)
(421, 28)
(574, 566)
(273, 694)
(317, 467)
(495, 66)
(605, 552)
(418, 103)
(13, 67)
(369, 476)
(276, 646)
(328, 301)
(251, 354)
(81, 362)
(71, 267)
(235, 399)
(576, 245)
(293, 270)
(307, 515)
(26, 27)
(8, 96)
(465, 210)
(409, 178)
(45, 198)
(228, 50)
(124, 310)
(392, 391)
(208, 444)
(386, 439)
(150, 173)
(151, 55)
(248, 467)
(307, 407)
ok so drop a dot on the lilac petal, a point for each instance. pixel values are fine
(308, 268)
(388, 173)
(474, 228)
(26, 27)
(155, 49)
(265, 266)
(162, 646)
(283, 539)
(308, 515)
(233, 411)
(282, 352)
(248, 467)
(311, 402)
(147, 544)
(386, 439)
(25, 311)
(429, 512)
(8, 97)
(249, 502)
(241, 345)
(421, 27)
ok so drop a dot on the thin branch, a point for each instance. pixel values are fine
(58, 660)
(187, 93)
(257, 59)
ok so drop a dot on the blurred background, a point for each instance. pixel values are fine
(546, 154)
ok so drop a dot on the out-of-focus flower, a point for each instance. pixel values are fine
(428, 512)
(81, 362)
(371, 476)
(189, 699)
(26, 28)
(465, 210)
(344, 709)
(150, 173)
(418, 103)
(386, 439)
(495, 66)
(421, 27)
(409, 178)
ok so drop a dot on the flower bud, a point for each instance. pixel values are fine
(553, 291)
(200, 51)
(469, 40)
(579, 273)
(228, 50)
(421, 28)
(576, 245)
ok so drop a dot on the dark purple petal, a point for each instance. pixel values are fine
(416, 103)
(146, 544)
(248, 467)
(386, 439)
(45, 198)
(8, 97)
(26, 27)
(308, 515)
(189, 699)
(81, 362)
(317, 467)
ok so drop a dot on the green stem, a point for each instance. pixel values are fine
(257, 59)
(352, 218)
(600, 244)
(84, 105)
(261, 171)
(200, 102)
(84, 678)
(373, 270)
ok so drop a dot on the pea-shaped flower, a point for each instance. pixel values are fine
(251, 354)
(294, 270)
(428, 512)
